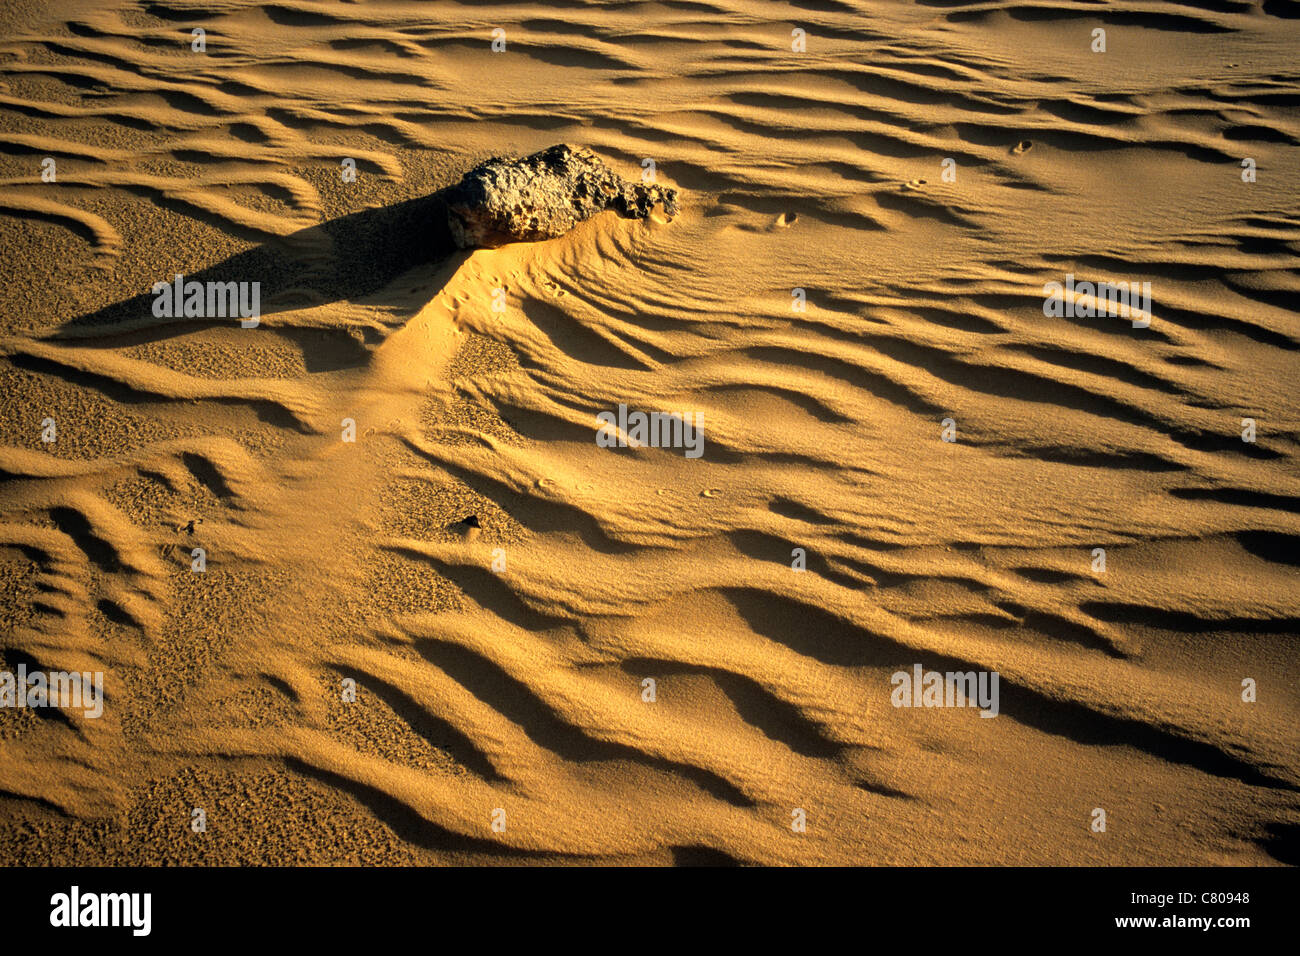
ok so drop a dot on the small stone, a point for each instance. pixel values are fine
(468, 528)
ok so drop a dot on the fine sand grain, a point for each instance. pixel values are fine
(499, 662)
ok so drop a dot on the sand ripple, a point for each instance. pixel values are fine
(503, 668)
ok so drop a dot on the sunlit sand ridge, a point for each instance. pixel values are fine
(832, 301)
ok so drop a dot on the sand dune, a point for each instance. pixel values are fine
(500, 665)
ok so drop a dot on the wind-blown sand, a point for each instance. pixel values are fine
(521, 689)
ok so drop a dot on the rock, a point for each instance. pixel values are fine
(468, 528)
(544, 195)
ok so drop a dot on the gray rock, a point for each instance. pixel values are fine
(544, 195)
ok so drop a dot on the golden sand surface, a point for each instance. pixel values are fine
(874, 196)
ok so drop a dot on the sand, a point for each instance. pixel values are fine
(500, 712)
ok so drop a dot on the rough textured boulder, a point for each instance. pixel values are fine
(544, 195)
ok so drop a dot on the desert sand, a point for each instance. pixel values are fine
(500, 711)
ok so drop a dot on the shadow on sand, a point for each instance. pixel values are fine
(345, 258)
